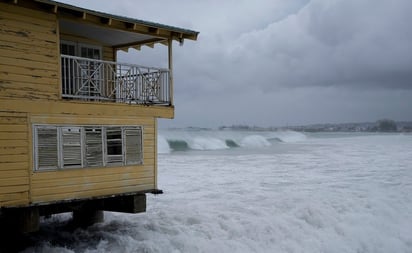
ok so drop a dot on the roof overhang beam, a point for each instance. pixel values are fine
(138, 45)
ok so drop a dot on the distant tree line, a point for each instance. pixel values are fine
(385, 125)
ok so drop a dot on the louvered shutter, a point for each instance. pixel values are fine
(114, 146)
(94, 146)
(47, 157)
(72, 149)
(133, 145)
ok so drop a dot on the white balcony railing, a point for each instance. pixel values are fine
(97, 80)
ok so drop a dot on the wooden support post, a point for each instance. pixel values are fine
(29, 220)
(155, 153)
(87, 216)
(20, 220)
(170, 56)
(126, 204)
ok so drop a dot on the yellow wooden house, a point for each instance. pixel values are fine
(78, 130)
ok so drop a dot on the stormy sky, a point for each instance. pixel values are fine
(281, 62)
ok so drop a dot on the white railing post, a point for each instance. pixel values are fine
(170, 57)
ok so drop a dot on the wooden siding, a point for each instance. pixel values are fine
(92, 109)
(66, 184)
(30, 94)
(20, 185)
(28, 54)
(14, 161)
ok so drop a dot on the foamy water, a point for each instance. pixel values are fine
(316, 193)
(183, 139)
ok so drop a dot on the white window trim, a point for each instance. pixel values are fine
(83, 147)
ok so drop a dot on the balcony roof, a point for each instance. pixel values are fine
(111, 30)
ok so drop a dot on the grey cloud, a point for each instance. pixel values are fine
(352, 42)
(278, 62)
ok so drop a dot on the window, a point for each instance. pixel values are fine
(133, 140)
(68, 48)
(61, 147)
(47, 147)
(114, 145)
(71, 146)
(80, 50)
(94, 146)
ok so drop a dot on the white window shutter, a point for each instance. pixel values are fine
(133, 144)
(57, 147)
(114, 146)
(72, 148)
(47, 157)
(94, 146)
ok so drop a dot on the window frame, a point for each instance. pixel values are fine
(36, 145)
(111, 158)
(63, 146)
(88, 161)
(78, 46)
(84, 162)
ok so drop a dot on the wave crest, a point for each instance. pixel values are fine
(162, 145)
(210, 143)
(290, 136)
(255, 141)
(185, 140)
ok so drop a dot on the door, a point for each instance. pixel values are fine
(68, 68)
(81, 78)
(91, 72)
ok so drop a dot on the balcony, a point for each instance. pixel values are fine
(96, 80)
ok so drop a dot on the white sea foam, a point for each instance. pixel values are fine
(346, 194)
(290, 136)
(254, 141)
(162, 145)
(209, 143)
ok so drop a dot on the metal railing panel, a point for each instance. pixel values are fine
(97, 80)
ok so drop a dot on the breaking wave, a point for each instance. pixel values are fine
(255, 141)
(185, 140)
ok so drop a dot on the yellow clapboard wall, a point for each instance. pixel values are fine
(14, 160)
(29, 53)
(66, 184)
(30, 94)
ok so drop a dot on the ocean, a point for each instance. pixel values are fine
(261, 191)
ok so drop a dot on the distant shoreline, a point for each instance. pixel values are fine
(387, 126)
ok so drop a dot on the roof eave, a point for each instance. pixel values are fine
(78, 14)
(154, 29)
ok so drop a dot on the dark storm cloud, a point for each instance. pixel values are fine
(359, 43)
(277, 62)
(327, 61)
(272, 44)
